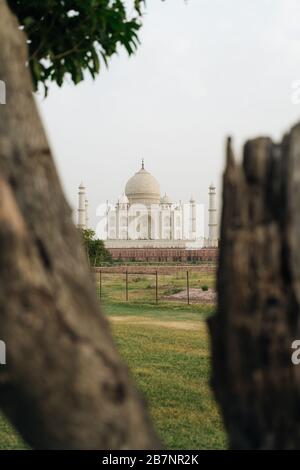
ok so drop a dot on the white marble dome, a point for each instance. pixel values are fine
(143, 188)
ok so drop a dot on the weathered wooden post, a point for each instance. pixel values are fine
(258, 282)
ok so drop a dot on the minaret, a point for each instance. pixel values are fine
(86, 213)
(81, 208)
(212, 218)
(192, 218)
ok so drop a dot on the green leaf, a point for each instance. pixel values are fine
(72, 44)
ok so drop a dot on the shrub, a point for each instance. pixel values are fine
(150, 286)
(204, 288)
(95, 248)
(138, 279)
(172, 290)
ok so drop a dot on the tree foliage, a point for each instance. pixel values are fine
(96, 251)
(69, 37)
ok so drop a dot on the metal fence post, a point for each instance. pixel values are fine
(188, 287)
(126, 286)
(156, 286)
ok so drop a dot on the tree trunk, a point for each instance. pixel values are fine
(255, 382)
(64, 385)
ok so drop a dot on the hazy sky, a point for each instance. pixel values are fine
(205, 69)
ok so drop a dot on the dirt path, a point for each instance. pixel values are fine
(196, 296)
(179, 325)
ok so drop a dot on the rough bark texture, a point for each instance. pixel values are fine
(258, 315)
(64, 385)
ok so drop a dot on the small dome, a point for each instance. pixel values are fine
(143, 188)
(123, 199)
(165, 199)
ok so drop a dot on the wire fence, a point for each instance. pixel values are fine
(154, 286)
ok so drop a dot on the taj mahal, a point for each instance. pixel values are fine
(144, 218)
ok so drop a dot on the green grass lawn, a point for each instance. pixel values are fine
(9, 438)
(167, 349)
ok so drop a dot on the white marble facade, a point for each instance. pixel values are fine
(143, 218)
